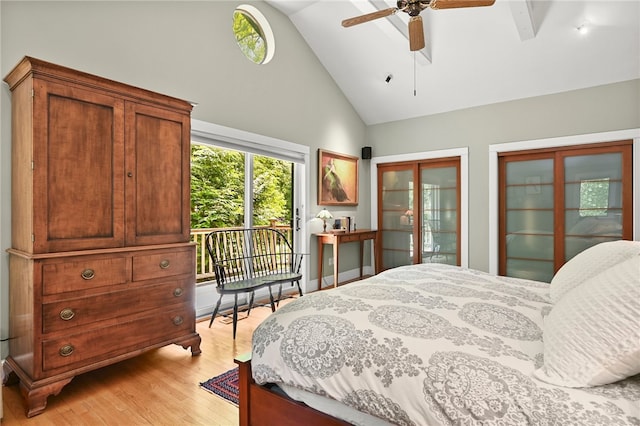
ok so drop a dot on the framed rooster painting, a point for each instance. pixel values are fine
(337, 179)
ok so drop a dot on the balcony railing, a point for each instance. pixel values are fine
(204, 268)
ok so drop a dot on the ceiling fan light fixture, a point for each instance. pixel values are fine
(416, 33)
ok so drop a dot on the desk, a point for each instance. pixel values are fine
(337, 238)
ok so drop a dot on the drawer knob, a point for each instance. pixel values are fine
(88, 274)
(66, 350)
(67, 314)
(177, 320)
(164, 264)
(177, 292)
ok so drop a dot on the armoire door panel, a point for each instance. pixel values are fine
(153, 169)
(78, 172)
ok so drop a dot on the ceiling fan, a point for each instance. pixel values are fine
(413, 8)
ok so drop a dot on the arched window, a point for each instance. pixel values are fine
(253, 34)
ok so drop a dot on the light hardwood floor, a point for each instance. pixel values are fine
(160, 387)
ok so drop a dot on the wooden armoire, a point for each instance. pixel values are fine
(100, 267)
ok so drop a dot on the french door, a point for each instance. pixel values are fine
(419, 212)
(243, 197)
(555, 203)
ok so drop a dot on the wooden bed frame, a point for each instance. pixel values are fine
(260, 405)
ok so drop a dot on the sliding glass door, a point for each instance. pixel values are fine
(419, 212)
(440, 225)
(594, 199)
(232, 188)
(395, 217)
(556, 203)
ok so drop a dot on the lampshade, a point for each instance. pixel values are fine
(324, 214)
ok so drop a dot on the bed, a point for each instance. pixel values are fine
(436, 344)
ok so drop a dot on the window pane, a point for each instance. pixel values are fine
(396, 248)
(397, 225)
(518, 172)
(253, 34)
(529, 222)
(529, 219)
(439, 227)
(594, 197)
(574, 245)
(530, 270)
(530, 246)
(530, 196)
(593, 201)
(217, 187)
(593, 167)
(272, 191)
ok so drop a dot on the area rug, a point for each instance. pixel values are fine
(225, 386)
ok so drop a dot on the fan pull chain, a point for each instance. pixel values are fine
(414, 73)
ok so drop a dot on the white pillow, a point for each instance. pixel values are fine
(589, 263)
(592, 336)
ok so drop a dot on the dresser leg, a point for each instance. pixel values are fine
(35, 393)
(194, 342)
(36, 398)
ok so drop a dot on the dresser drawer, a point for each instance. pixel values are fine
(89, 272)
(358, 237)
(368, 235)
(91, 346)
(70, 313)
(163, 264)
(349, 238)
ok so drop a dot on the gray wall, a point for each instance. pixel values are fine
(187, 49)
(594, 110)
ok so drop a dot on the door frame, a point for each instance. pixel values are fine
(562, 141)
(463, 154)
(240, 140)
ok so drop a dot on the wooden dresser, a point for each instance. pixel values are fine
(101, 268)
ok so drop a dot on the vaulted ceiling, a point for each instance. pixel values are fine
(473, 56)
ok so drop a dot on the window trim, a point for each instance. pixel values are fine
(562, 141)
(227, 137)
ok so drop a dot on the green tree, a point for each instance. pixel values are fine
(217, 188)
(594, 197)
(272, 186)
(249, 37)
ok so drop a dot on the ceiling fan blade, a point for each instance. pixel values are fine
(452, 4)
(416, 33)
(369, 17)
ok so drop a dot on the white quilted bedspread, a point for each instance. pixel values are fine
(431, 345)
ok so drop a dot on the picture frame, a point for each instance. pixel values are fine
(337, 179)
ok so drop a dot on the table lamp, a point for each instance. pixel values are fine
(324, 215)
(409, 215)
